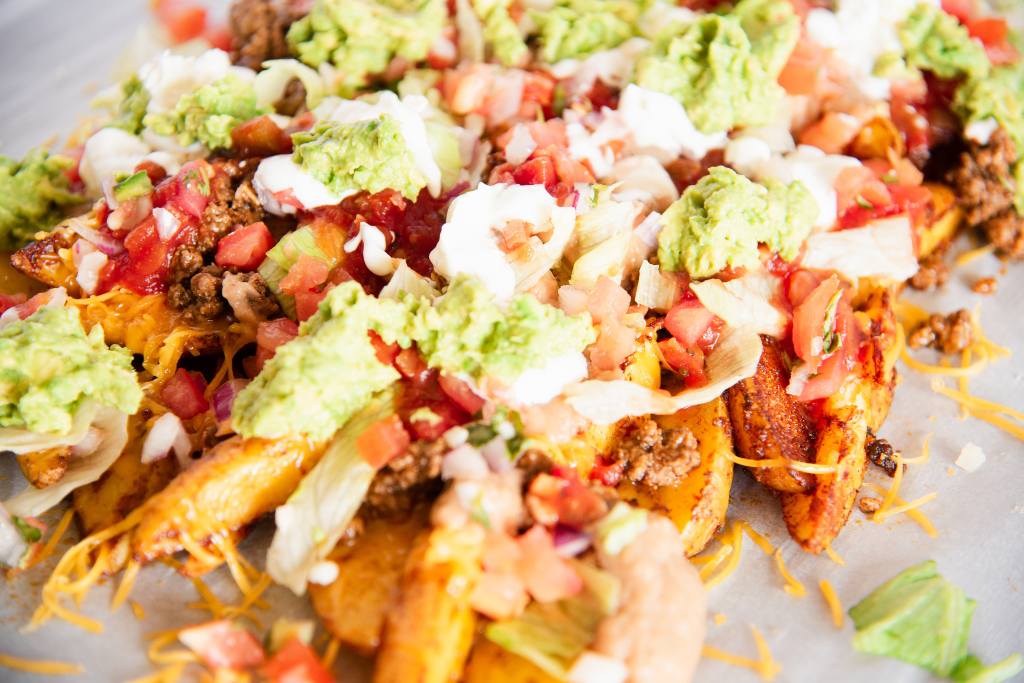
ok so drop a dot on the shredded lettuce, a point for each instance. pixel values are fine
(283, 256)
(620, 527)
(317, 514)
(553, 635)
(921, 618)
(83, 468)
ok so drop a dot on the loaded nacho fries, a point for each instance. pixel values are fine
(482, 303)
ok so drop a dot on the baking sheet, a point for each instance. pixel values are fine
(54, 53)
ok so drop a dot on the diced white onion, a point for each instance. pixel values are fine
(167, 223)
(88, 275)
(520, 145)
(166, 434)
(464, 462)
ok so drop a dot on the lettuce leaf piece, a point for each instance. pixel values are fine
(921, 618)
(552, 635)
(283, 256)
(317, 514)
(85, 468)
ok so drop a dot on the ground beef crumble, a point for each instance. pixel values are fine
(984, 184)
(946, 333)
(196, 283)
(405, 481)
(258, 29)
(881, 453)
(933, 272)
(653, 457)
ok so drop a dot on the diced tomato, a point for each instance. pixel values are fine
(11, 300)
(386, 353)
(183, 20)
(536, 171)
(155, 171)
(687, 321)
(219, 37)
(142, 267)
(296, 662)
(857, 186)
(804, 70)
(184, 394)
(687, 362)
(548, 577)
(994, 34)
(961, 9)
(272, 333)
(423, 390)
(409, 363)
(801, 284)
(383, 441)
(831, 133)
(607, 473)
(563, 500)
(499, 595)
(190, 189)
(261, 137)
(308, 302)
(904, 199)
(461, 393)
(307, 273)
(809, 318)
(223, 644)
(827, 380)
(538, 95)
(245, 248)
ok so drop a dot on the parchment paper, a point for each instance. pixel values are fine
(53, 54)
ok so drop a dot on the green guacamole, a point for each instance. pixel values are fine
(773, 29)
(366, 155)
(712, 68)
(316, 382)
(501, 34)
(132, 108)
(209, 114)
(49, 366)
(721, 220)
(938, 42)
(361, 37)
(577, 28)
(32, 193)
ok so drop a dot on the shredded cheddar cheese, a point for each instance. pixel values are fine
(835, 607)
(976, 404)
(137, 610)
(969, 256)
(807, 467)
(54, 539)
(915, 514)
(834, 556)
(330, 653)
(40, 666)
(719, 619)
(736, 542)
(793, 586)
(926, 453)
(158, 653)
(764, 666)
(169, 674)
(757, 538)
(890, 495)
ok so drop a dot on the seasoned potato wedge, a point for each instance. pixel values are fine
(815, 518)
(124, 487)
(429, 630)
(862, 402)
(768, 423)
(49, 260)
(45, 468)
(354, 605)
(490, 663)
(13, 281)
(235, 483)
(945, 219)
(697, 506)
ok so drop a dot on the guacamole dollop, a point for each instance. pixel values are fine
(773, 28)
(209, 114)
(501, 33)
(32, 192)
(49, 366)
(366, 155)
(361, 37)
(710, 66)
(317, 381)
(721, 220)
(936, 41)
(467, 332)
(132, 108)
(577, 28)
(1000, 96)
